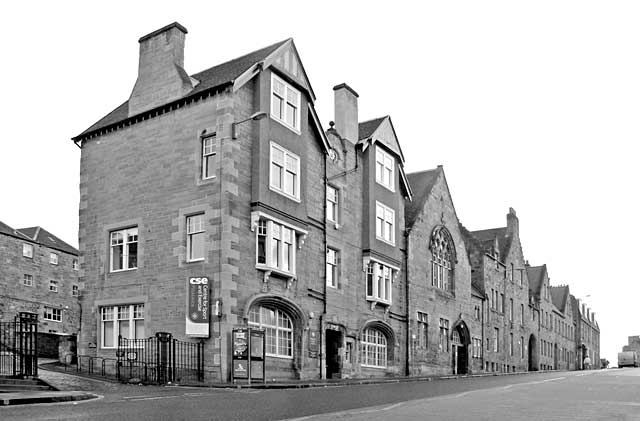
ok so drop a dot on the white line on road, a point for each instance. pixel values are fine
(153, 398)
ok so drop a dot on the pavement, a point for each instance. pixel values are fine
(63, 388)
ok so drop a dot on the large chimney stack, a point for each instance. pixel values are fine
(513, 225)
(346, 112)
(161, 74)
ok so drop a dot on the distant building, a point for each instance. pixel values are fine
(587, 334)
(39, 274)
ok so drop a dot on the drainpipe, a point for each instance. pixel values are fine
(406, 297)
(322, 355)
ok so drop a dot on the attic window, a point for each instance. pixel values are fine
(285, 103)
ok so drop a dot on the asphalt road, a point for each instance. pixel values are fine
(607, 394)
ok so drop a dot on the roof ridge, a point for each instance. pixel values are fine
(423, 171)
(372, 119)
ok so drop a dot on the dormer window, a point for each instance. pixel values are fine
(285, 103)
(384, 168)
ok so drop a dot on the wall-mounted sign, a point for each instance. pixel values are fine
(197, 317)
(313, 344)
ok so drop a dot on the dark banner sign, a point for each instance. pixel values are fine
(197, 320)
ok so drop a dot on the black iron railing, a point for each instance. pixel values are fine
(19, 345)
(160, 359)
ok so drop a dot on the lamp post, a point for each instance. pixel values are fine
(259, 115)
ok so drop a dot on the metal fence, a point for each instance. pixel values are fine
(19, 345)
(160, 359)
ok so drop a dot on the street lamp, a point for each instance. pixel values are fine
(259, 115)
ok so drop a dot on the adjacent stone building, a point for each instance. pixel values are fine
(352, 267)
(39, 274)
(587, 334)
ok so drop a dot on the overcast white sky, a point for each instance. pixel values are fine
(532, 105)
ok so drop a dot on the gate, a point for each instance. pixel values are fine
(160, 359)
(18, 346)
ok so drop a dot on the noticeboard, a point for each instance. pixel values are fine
(248, 354)
(197, 314)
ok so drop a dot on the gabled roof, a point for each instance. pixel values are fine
(214, 77)
(43, 237)
(559, 296)
(367, 128)
(421, 184)
(488, 237)
(536, 274)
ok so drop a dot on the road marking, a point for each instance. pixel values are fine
(553, 380)
(392, 406)
(153, 398)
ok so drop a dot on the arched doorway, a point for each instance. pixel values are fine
(460, 341)
(533, 353)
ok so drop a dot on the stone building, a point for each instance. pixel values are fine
(364, 323)
(352, 267)
(498, 272)
(587, 334)
(563, 328)
(39, 274)
(444, 312)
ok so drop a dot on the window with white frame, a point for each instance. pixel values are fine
(285, 171)
(521, 314)
(53, 258)
(332, 268)
(443, 344)
(27, 250)
(442, 257)
(373, 348)
(53, 285)
(208, 157)
(496, 343)
(476, 348)
(124, 249)
(332, 204)
(27, 280)
(423, 329)
(278, 330)
(52, 314)
(379, 278)
(122, 320)
(511, 344)
(385, 223)
(75, 291)
(276, 246)
(195, 237)
(75, 264)
(521, 347)
(285, 103)
(384, 168)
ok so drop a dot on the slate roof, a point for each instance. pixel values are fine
(535, 274)
(366, 128)
(217, 76)
(421, 184)
(6, 229)
(40, 236)
(559, 296)
(487, 238)
(477, 290)
(43, 237)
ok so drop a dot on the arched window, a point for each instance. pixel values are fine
(442, 258)
(278, 330)
(373, 348)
